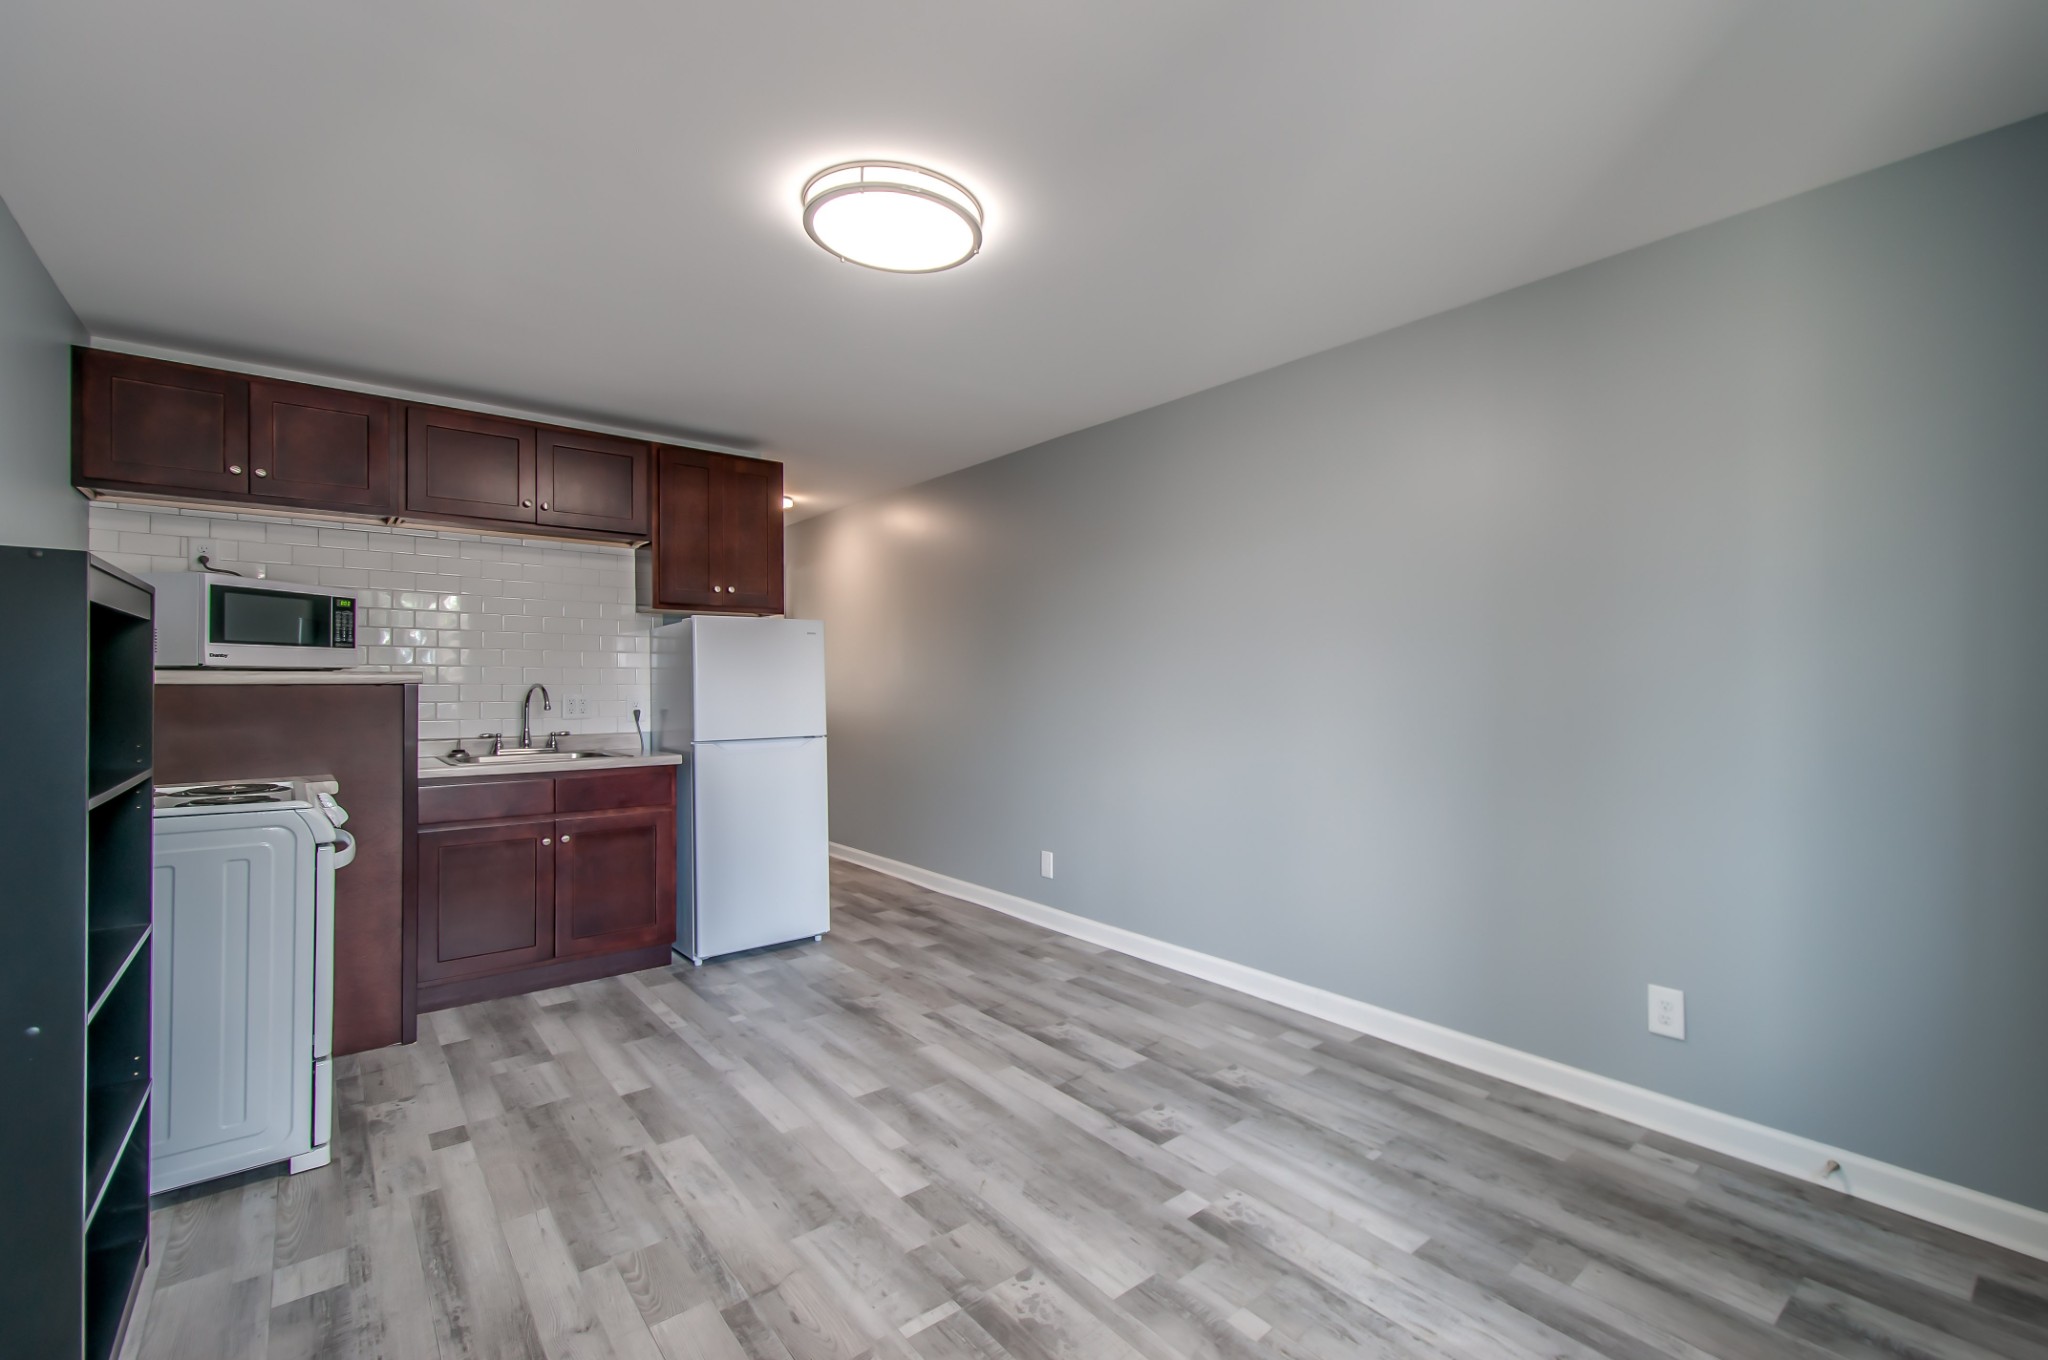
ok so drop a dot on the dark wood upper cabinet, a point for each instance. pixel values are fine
(717, 543)
(321, 447)
(592, 481)
(747, 514)
(677, 569)
(469, 466)
(615, 881)
(167, 431)
(158, 426)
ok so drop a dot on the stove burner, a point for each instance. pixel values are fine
(229, 790)
(228, 800)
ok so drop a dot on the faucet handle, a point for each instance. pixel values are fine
(555, 740)
(496, 739)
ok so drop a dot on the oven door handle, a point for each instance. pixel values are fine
(344, 849)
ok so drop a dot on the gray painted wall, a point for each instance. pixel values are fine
(37, 329)
(1680, 619)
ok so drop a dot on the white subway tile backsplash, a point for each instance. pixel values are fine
(484, 618)
(120, 521)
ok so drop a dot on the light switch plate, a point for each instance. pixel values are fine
(1045, 864)
(1667, 1012)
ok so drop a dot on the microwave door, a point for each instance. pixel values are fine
(270, 618)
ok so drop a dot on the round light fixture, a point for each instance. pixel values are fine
(893, 216)
(789, 502)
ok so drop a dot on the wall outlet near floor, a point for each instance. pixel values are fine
(1045, 864)
(1667, 1011)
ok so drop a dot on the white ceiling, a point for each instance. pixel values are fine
(589, 208)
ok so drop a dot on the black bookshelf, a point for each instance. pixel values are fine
(75, 849)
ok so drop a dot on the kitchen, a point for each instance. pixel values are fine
(451, 623)
(355, 821)
(815, 684)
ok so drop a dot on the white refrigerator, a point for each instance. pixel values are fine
(743, 702)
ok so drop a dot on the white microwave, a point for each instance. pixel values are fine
(207, 618)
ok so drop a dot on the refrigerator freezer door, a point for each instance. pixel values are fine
(233, 982)
(761, 858)
(758, 678)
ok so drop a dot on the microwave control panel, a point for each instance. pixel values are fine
(344, 632)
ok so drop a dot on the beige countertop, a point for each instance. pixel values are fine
(200, 675)
(433, 767)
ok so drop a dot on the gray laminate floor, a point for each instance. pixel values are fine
(942, 1133)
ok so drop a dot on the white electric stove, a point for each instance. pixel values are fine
(243, 903)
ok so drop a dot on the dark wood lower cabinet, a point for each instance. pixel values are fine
(487, 899)
(614, 874)
(518, 890)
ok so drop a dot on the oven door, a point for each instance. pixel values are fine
(267, 627)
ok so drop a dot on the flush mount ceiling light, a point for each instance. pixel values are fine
(893, 216)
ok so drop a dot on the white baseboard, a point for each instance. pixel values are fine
(1983, 1216)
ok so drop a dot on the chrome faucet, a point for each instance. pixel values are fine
(526, 714)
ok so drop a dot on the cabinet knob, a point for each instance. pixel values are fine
(528, 504)
(262, 472)
(565, 838)
(718, 588)
(543, 505)
(547, 840)
(234, 467)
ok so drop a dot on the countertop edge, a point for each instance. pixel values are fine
(431, 767)
(202, 676)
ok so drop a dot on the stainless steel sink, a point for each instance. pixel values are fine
(528, 757)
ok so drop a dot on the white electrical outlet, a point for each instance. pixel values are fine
(1045, 864)
(1667, 1011)
(575, 706)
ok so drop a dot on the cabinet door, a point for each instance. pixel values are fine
(615, 881)
(469, 465)
(592, 481)
(682, 528)
(486, 899)
(168, 427)
(320, 447)
(746, 515)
